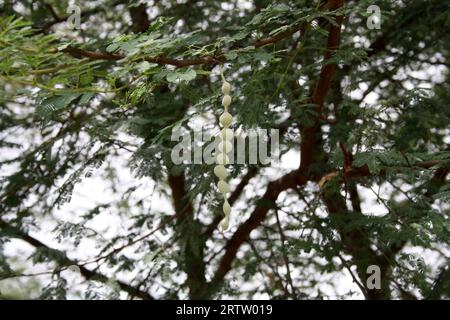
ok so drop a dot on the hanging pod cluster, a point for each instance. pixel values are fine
(225, 146)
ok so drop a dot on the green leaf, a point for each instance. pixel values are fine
(85, 98)
(278, 30)
(172, 77)
(231, 55)
(262, 56)
(113, 47)
(368, 159)
(186, 75)
(240, 35)
(145, 65)
(55, 103)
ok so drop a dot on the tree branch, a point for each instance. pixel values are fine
(310, 146)
(140, 18)
(86, 273)
(179, 63)
(191, 242)
(285, 256)
(294, 178)
(291, 180)
(364, 171)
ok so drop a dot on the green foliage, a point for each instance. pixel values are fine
(97, 106)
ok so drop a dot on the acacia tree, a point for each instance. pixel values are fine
(363, 118)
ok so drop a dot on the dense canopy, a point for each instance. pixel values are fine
(93, 207)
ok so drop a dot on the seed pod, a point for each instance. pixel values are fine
(222, 159)
(226, 208)
(225, 146)
(225, 119)
(226, 134)
(220, 172)
(226, 87)
(223, 187)
(74, 268)
(225, 223)
(226, 100)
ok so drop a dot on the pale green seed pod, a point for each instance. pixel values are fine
(226, 87)
(74, 268)
(226, 208)
(222, 159)
(225, 146)
(223, 187)
(225, 119)
(221, 172)
(226, 100)
(225, 223)
(226, 134)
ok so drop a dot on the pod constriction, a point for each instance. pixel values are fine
(225, 146)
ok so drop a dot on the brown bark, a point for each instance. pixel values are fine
(191, 241)
(140, 18)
